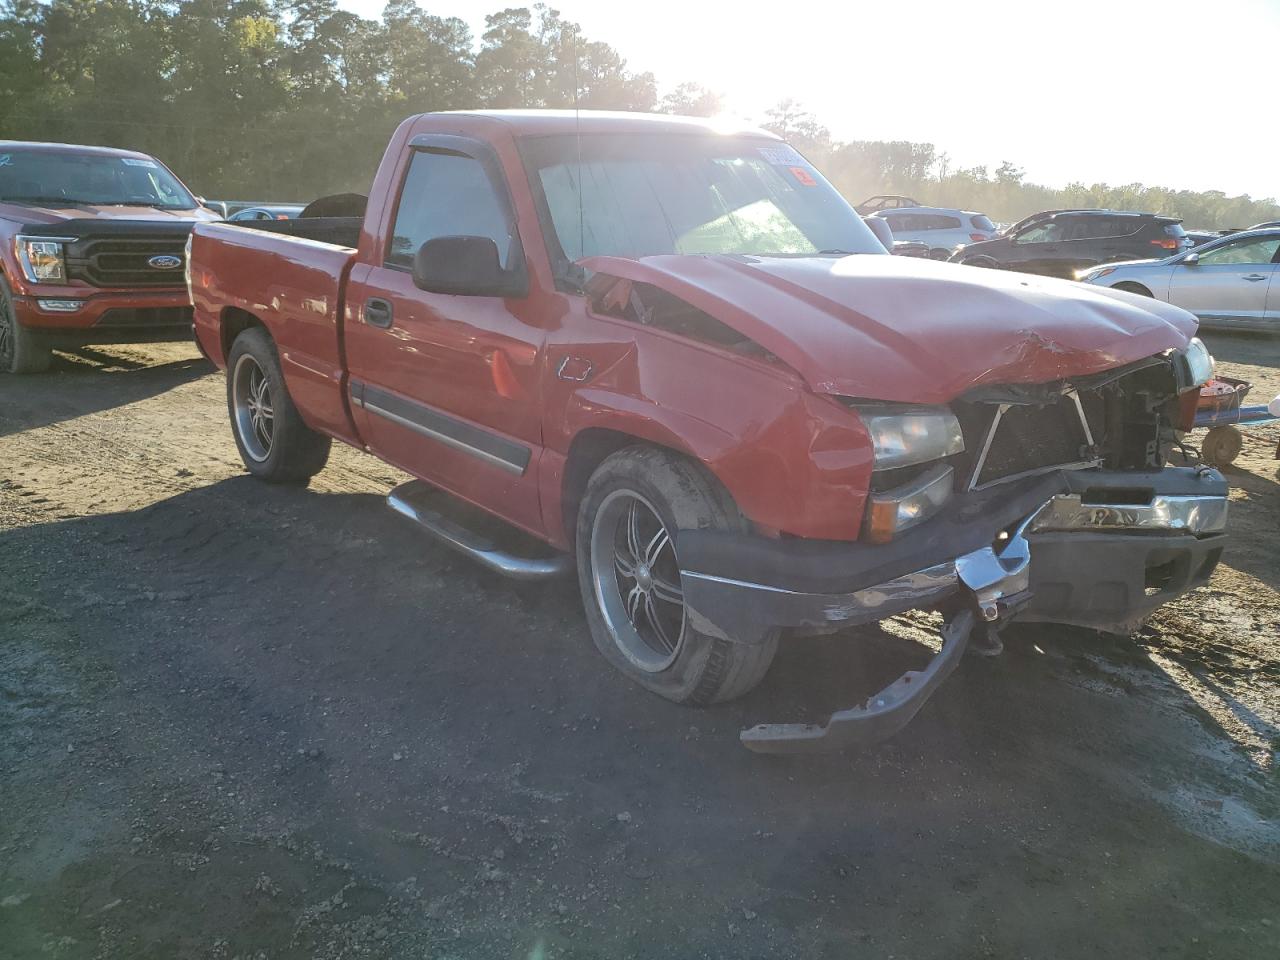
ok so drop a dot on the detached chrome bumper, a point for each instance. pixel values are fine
(1083, 556)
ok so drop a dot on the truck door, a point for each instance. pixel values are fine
(445, 385)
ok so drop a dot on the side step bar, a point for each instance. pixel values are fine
(423, 504)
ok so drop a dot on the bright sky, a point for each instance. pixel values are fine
(1177, 93)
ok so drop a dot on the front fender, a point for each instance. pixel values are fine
(794, 462)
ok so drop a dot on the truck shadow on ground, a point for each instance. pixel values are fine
(88, 381)
(364, 687)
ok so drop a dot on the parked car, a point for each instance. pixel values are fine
(943, 229)
(884, 202)
(1065, 243)
(910, 248)
(899, 248)
(1198, 237)
(276, 211)
(1231, 283)
(1268, 223)
(677, 362)
(91, 244)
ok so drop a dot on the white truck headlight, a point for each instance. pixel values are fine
(905, 436)
(41, 259)
(1197, 364)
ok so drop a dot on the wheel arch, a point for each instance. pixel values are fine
(1133, 286)
(591, 446)
(234, 321)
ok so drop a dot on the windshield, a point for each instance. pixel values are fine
(643, 195)
(51, 177)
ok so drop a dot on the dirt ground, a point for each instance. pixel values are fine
(246, 722)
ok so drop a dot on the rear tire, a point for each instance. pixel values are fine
(274, 443)
(938, 253)
(989, 263)
(629, 575)
(21, 349)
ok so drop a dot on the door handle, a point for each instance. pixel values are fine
(1255, 277)
(377, 312)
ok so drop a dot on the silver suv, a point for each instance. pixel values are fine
(943, 229)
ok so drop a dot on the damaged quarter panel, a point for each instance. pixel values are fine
(794, 462)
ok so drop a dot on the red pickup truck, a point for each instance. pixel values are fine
(91, 245)
(674, 358)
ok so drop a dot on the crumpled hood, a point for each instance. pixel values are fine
(913, 330)
(25, 213)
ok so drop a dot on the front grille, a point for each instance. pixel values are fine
(1029, 438)
(123, 261)
(145, 317)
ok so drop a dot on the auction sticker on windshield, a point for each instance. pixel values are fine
(781, 155)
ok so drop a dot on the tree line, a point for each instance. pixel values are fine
(292, 99)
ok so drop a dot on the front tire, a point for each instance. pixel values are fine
(21, 350)
(635, 503)
(274, 442)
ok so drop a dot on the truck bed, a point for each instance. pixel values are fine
(290, 276)
(339, 231)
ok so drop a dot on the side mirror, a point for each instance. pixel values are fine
(1191, 259)
(465, 267)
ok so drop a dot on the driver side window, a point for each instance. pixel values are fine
(1049, 232)
(444, 195)
(1259, 250)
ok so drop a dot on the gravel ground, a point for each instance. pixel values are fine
(248, 722)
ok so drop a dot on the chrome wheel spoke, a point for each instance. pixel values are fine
(624, 564)
(661, 540)
(651, 614)
(635, 600)
(668, 592)
(633, 530)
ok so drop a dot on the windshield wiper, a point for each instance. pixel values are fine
(837, 252)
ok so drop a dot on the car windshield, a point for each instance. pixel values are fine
(52, 177)
(641, 195)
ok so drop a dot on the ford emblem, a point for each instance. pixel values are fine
(164, 261)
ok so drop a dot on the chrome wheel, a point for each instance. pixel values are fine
(251, 399)
(637, 581)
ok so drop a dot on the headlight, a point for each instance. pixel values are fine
(904, 436)
(891, 512)
(41, 259)
(1196, 365)
(1088, 276)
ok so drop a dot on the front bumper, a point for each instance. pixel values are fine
(1093, 548)
(106, 316)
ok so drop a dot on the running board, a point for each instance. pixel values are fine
(427, 506)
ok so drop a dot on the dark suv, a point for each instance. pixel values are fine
(1064, 242)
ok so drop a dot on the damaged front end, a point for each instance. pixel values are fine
(1060, 509)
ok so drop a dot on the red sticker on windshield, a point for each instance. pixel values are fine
(803, 175)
